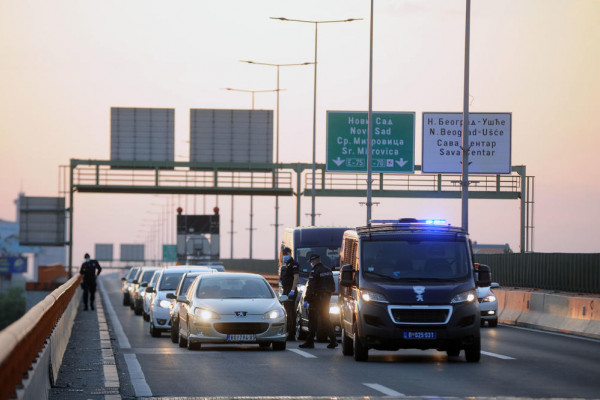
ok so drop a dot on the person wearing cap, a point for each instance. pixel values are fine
(88, 284)
(319, 288)
(290, 271)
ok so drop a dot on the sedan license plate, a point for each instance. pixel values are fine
(241, 338)
(420, 335)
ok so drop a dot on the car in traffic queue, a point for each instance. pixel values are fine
(488, 303)
(147, 295)
(167, 281)
(334, 315)
(139, 288)
(182, 287)
(126, 283)
(231, 308)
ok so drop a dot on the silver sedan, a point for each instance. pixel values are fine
(236, 308)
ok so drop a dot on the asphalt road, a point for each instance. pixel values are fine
(515, 363)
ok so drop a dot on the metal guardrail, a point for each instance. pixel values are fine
(22, 341)
(566, 272)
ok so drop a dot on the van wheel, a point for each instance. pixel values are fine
(361, 352)
(453, 350)
(347, 345)
(473, 351)
(300, 334)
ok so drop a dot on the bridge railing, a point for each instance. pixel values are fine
(22, 341)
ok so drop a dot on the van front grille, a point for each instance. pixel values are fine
(420, 315)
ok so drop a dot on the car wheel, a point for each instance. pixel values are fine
(361, 352)
(137, 311)
(482, 323)
(182, 342)
(146, 316)
(278, 346)
(125, 300)
(300, 334)
(473, 351)
(191, 345)
(347, 345)
(493, 323)
(153, 331)
(174, 332)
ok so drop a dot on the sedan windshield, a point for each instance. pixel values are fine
(429, 260)
(234, 288)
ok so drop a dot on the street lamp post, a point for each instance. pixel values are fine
(277, 141)
(251, 229)
(314, 151)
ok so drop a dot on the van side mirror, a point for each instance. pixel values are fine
(484, 276)
(347, 276)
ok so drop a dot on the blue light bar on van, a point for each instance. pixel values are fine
(436, 222)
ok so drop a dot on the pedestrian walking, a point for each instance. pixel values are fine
(290, 271)
(319, 288)
(90, 270)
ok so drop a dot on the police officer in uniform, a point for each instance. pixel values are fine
(88, 271)
(290, 271)
(319, 288)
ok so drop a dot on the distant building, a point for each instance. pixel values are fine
(491, 248)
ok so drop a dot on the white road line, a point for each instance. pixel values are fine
(385, 390)
(138, 380)
(121, 337)
(303, 353)
(500, 356)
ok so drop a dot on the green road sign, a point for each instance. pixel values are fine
(169, 252)
(393, 141)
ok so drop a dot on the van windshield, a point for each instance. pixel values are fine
(330, 257)
(422, 260)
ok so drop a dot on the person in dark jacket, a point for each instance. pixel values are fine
(88, 284)
(290, 271)
(319, 288)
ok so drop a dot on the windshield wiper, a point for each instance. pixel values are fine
(381, 275)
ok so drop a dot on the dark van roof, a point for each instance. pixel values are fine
(318, 235)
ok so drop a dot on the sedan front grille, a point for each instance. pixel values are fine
(420, 315)
(252, 328)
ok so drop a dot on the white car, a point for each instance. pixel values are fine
(488, 304)
(166, 282)
(229, 307)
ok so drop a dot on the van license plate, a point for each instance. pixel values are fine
(420, 335)
(241, 338)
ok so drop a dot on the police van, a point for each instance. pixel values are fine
(409, 283)
(304, 241)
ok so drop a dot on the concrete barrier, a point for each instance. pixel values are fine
(550, 311)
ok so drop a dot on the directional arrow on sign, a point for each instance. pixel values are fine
(401, 162)
(338, 161)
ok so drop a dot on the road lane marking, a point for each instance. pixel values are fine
(121, 337)
(303, 353)
(385, 390)
(500, 356)
(138, 380)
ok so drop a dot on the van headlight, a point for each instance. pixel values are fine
(464, 297)
(373, 297)
(274, 314)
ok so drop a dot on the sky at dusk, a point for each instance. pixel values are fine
(64, 64)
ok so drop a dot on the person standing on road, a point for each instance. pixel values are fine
(88, 284)
(290, 271)
(319, 288)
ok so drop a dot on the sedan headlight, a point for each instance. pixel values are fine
(371, 297)
(334, 309)
(464, 297)
(489, 298)
(164, 303)
(205, 314)
(274, 314)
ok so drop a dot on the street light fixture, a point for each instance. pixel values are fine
(277, 140)
(251, 229)
(314, 151)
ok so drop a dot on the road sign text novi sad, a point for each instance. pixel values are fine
(393, 141)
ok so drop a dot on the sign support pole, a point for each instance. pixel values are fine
(465, 144)
(370, 125)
